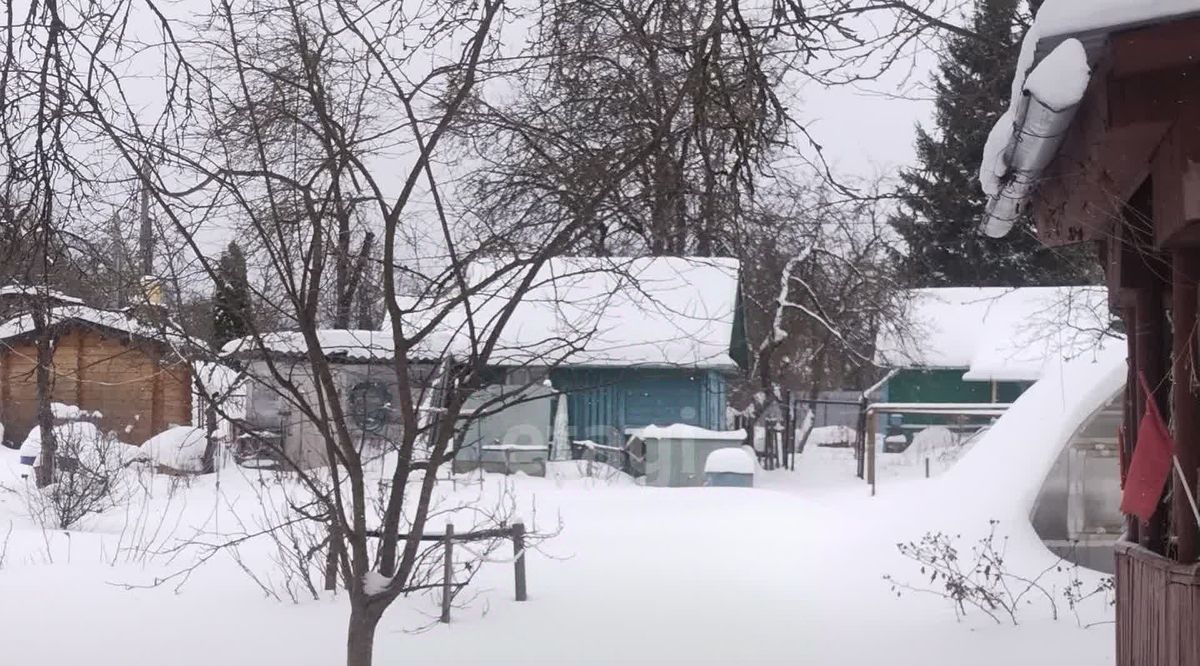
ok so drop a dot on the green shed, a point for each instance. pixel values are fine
(983, 344)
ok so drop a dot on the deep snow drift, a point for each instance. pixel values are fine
(789, 572)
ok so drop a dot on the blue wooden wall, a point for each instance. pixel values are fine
(603, 402)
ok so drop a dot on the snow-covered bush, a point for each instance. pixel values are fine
(88, 474)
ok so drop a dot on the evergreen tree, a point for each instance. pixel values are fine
(942, 203)
(232, 310)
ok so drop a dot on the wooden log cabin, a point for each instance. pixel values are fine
(1120, 167)
(103, 361)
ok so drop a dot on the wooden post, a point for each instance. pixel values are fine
(869, 444)
(1185, 407)
(927, 467)
(518, 539)
(1149, 332)
(447, 571)
(1129, 314)
(859, 438)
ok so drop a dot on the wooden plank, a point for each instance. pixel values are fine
(1158, 47)
(156, 393)
(1129, 410)
(1150, 356)
(1185, 411)
(5, 397)
(1154, 97)
(518, 539)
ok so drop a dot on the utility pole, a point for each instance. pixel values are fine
(146, 237)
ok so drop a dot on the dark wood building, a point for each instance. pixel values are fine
(1121, 169)
(103, 361)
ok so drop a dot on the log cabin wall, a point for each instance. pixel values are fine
(138, 393)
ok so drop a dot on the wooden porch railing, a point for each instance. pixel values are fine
(1158, 609)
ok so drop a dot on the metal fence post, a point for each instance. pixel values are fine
(447, 571)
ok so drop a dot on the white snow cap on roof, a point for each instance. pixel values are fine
(1065, 17)
(1060, 80)
(30, 291)
(733, 460)
(582, 311)
(685, 431)
(353, 344)
(995, 333)
(121, 321)
(598, 311)
(660, 311)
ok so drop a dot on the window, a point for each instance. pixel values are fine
(370, 403)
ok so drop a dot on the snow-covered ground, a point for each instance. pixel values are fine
(788, 572)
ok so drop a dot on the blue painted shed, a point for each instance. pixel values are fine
(631, 341)
(603, 403)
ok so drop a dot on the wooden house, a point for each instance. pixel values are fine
(630, 342)
(1102, 144)
(103, 361)
(274, 429)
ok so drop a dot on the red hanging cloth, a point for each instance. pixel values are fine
(1151, 463)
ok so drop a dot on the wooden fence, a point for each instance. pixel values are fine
(1158, 609)
(514, 533)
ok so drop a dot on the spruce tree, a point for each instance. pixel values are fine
(942, 203)
(232, 310)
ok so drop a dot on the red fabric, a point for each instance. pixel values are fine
(1151, 463)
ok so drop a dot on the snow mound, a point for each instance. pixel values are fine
(82, 441)
(729, 461)
(1060, 80)
(582, 470)
(932, 442)
(65, 412)
(180, 448)
(1003, 472)
(836, 435)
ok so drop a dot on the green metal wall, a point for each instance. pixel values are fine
(603, 402)
(917, 385)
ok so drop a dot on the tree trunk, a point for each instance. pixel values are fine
(45, 388)
(360, 638)
(208, 463)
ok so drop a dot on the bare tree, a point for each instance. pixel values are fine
(817, 284)
(307, 124)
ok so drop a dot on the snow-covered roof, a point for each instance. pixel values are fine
(120, 321)
(685, 431)
(601, 311)
(1049, 82)
(356, 345)
(733, 460)
(661, 311)
(27, 291)
(582, 311)
(995, 333)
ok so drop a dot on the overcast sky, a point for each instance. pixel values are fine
(864, 134)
